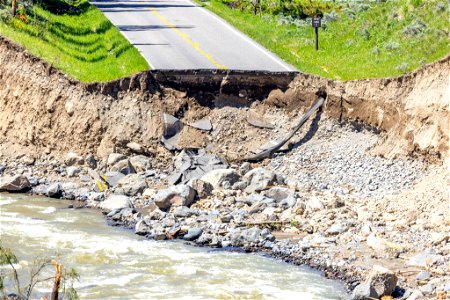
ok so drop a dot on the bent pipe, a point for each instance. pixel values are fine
(269, 152)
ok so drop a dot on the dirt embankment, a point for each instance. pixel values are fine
(42, 111)
(412, 109)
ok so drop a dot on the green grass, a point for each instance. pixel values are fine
(77, 39)
(372, 44)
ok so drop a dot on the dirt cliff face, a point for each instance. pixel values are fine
(411, 109)
(42, 111)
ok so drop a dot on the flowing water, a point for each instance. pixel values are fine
(116, 264)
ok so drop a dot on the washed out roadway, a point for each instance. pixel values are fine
(179, 34)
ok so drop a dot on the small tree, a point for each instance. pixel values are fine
(7, 257)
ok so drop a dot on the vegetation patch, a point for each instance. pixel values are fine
(73, 36)
(358, 39)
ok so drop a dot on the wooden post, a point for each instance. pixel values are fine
(316, 23)
(14, 7)
(317, 38)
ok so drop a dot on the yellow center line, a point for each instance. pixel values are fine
(185, 37)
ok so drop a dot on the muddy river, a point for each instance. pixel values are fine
(116, 264)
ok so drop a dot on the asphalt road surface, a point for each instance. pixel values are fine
(178, 34)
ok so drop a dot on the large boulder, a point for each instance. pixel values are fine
(364, 291)
(123, 166)
(203, 188)
(219, 176)
(54, 190)
(185, 191)
(132, 184)
(259, 179)
(181, 195)
(113, 178)
(114, 202)
(18, 183)
(383, 280)
(141, 228)
(193, 234)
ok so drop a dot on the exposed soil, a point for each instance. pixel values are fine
(63, 115)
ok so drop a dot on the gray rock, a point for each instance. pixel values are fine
(423, 259)
(183, 212)
(163, 198)
(113, 178)
(114, 158)
(364, 291)
(288, 202)
(245, 168)
(115, 202)
(279, 193)
(383, 280)
(54, 190)
(2, 169)
(259, 179)
(203, 189)
(218, 176)
(34, 181)
(135, 147)
(156, 214)
(185, 191)
(72, 171)
(141, 228)
(73, 159)
(427, 289)
(193, 234)
(18, 183)
(416, 294)
(166, 198)
(240, 185)
(423, 275)
(124, 166)
(251, 235)
(132, 184)
(141, 163)
(28, 160)
(204, 124)
(337, 228)
(96, 197)
(257, 207)
(91, 161)
(254, 198)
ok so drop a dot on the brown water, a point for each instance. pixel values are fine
(116, 264)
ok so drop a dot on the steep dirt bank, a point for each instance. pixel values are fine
(62, 115)
(413, 109)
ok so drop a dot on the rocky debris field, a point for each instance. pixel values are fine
(380, 225)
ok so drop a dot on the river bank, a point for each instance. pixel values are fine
(114, 263)
(308, 206)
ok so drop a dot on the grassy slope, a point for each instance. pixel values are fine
(81, 42)
(346, 51)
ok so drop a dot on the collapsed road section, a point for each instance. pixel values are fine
(363, 184)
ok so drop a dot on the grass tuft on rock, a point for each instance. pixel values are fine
(74, 37)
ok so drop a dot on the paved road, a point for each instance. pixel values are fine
(178, 34)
